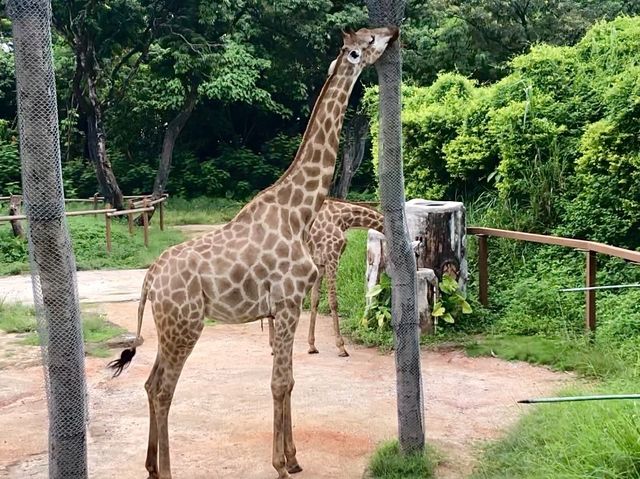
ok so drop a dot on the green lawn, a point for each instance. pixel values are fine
(18, 318)
(89, 245)
(388, 463)
(200, 211)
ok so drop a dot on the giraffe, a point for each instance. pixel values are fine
(327, 241)
(257, 266)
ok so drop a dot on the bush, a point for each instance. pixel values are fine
(535, 306)
(556, 138)
(9, 160)
(619, 317)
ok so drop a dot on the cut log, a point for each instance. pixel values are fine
(438, 231)
(441, 229)
(14, 209)
(428, 293)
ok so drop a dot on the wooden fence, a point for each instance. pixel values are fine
(143, 206)
(591, 248)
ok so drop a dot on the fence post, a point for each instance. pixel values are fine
(95, 204)
(161, 206)
(590, 294)
(483, 270)
(130, 218)
(145, 222)
(107, 220)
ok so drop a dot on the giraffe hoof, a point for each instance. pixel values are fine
(313, 350)
(293, 469)
(343, 354)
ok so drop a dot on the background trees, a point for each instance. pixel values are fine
(209, 98)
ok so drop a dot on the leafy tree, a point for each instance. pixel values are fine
(109, 41)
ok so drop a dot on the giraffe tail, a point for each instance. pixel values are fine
(127, 355)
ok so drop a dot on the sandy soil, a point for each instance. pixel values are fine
(220, 423)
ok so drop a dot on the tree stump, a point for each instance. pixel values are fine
(14, 210)
(441, 229)
(438, 231)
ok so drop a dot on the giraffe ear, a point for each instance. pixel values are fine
(347, 34)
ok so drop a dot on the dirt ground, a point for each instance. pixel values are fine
(221, 419)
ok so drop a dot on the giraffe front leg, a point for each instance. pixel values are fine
(333, 304)
(289, 445)
(315, 300)
(284, 451)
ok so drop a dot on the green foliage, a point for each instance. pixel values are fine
(17, 318)
(388, 462)
(9, 160)
(571, 441)
(619, 318)
(377, 314)
(534, 306)
(556, 138)
(452, 303)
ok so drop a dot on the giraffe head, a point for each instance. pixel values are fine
(362, 48)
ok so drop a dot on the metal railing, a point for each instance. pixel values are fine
(143, 207)
(591, 248)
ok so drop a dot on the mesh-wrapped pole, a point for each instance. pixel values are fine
(52, 260)
(402, 262)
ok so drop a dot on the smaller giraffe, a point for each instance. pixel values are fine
(327, 241)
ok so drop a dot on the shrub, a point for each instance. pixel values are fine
(618, 317)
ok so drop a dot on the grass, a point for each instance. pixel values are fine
(351, 291)
(579, 355)
(18, 318)
(388, 463)
(200, 211)
(571, 441)
(88, 237)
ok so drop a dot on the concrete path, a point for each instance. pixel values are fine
(105, 286)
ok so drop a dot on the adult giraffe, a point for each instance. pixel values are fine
(257, 266)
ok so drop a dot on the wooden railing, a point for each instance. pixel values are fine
(143, 207)
(591, 248)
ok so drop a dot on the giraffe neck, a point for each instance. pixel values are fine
(357, 216)
(305, 184)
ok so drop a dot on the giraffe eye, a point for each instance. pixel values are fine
(373, 39)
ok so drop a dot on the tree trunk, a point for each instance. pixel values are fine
(92, 108)
(14, 210)
(174, 128)
(355, 141)
(97, 147)
(402, 262)
(171, 134)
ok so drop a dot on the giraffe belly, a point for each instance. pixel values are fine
(239, 311)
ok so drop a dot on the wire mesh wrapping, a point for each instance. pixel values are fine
(52, 260)
(402, 262)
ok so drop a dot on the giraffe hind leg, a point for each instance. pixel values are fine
(333, 304)
(151, 462)
(174, 348)
(315, 299)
